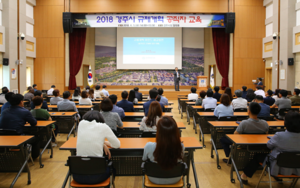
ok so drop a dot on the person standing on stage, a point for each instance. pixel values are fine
(176, 79)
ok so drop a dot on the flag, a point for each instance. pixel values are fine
(212, 77)
(90, 76)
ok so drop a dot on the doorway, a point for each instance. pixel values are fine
(268, 79)
(28, 76)
(85, 71)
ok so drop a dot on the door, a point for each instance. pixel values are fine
(268, 79)
(85, 75)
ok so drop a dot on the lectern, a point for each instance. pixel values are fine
(202, 82)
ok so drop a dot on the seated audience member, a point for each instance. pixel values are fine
(54, 100)
(91, 94)
(2, 95)
(105, 92)
(112, 119)
(253, 125)
(209, 101)
(154, 114)
(244, 88)
(276, 94)
(34, 86)
(7, 104)
(92, 132)
(155, 88)
(282, 102)
(102, 95)
(265, 109)
(84, 98)
(202, 95)
(132, 98)
(97, 91)
(148, 98)
(138, 95)
(167, 151)
(239, 102)
(125, 104)
(50, 91)
(163, 99)
(286, 141)
(229, 93)
(76, 94)
(153, 95)
(259, 91)
(66, 104)
(158, 98)
(87, 88)
(250, 95)
(44, 106)
(117, 109)
(28, 88)
(269, 100)
(296, 98)
(224, 109)
(29, 96)
(193, 96)
(217, 95)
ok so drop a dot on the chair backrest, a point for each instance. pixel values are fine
(148, 134)
(154, 170)
(289, 160)
(270, 118)
(241, 110)
(228, 118)
(74, 100)
(209, 110)
(8, 132)
(87, 165)
(284, 111)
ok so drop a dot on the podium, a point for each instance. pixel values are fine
(202, 83)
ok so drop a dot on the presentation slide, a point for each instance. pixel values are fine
(149, 48)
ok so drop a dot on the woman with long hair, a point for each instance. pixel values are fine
(276, 94)
(91, 94)
(76, 94)
(229, 93)
(132, 98)
(250, 95)
(168, 149)
(154, 114)
(84, 98)
(225, 108)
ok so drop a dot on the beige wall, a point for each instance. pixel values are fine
(268, 62)
(297, 70)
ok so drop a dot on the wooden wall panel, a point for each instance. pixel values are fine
(149, 6)
(247, 50)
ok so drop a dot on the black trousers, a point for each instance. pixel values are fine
(92, 179)
(176, 83)
(253, 165)
(226, 143)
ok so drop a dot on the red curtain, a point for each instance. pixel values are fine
(76, 46)
(221, 47)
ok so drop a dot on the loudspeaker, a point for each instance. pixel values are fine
(5, 61)
(229, 22)
(291, 61)
(67, 22)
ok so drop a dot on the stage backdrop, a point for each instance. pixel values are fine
(105, 61)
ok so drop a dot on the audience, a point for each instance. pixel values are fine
(269, 100)
(229, 93)
(282, 102)
(112, 119)
(265, 109)
(250, 95)
(34, 86)
(104, 91)
(138, 95)
(276, 94)
(260, 91)
(2, 95)
(76, 94)
(224, 109)
(239, 102)
(66, 104)
(124, 103)
(253, 125)
(286, 141)
(296, 98)
(132, 98)
(97, 91)
(217, 95)
(87, 89)
(202, 96)
(158, 98)
(193, 96)
(29, 96)
(28, 88)
(91, 94)
(54, 100)
(163, 99)
(155, 113)
(84, 98)
(50, 91)
(92, 132)
(40, 94)
(116, 109)
(153, 95)
(167, 150)
(7, 104)
(209, 101)
(244, 88)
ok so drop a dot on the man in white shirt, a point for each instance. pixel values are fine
(239, 102)
(50, 91)
(209, 101)
(193, 96)
(2, 95)
(97, 91)
(104, 91)
(259, 91)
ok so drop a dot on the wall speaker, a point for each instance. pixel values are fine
(291, 61)
(67, 22)
(229, 22)
(5, 61)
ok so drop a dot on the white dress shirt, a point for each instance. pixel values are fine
(209, 102)
(50, 91)
(105, 92)
(97, 94)
(239, 103)
(193, 96)
(85, 101)
(260, 92)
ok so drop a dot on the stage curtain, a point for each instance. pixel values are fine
(221, 46)
(76, 46)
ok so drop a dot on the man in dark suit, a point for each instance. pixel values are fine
(176, 79)
(260, 82)
(125, 104)
(138, 95)
(217, 95)
(153, 95)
